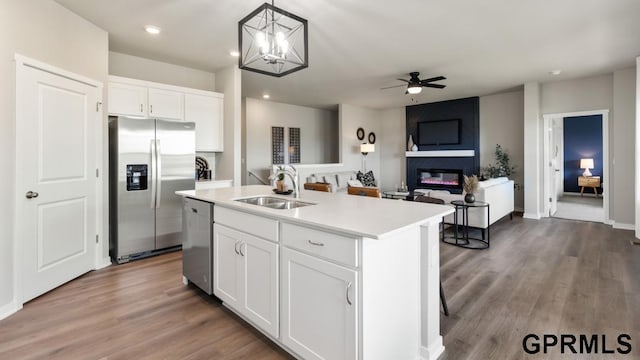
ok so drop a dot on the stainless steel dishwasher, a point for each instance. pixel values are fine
(197, 243)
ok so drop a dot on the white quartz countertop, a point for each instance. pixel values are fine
(349, 214)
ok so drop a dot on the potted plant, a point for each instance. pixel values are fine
(280, 185)
(502, 167)
(470, 185)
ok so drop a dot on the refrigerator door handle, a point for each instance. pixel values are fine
(153, 174)
(158, 174)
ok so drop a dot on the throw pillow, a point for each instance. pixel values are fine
(354, 183)
(367, 178)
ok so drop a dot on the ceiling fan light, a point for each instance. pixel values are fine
(414, 89)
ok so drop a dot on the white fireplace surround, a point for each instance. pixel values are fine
(441, 153)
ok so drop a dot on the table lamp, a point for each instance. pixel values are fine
(586, 164)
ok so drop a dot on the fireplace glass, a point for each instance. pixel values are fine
(439, 179)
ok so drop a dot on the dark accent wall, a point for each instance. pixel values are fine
(468, 111)
(582, 137)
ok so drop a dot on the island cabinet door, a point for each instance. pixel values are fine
(227, 265)
(260, 283)
(319, 307)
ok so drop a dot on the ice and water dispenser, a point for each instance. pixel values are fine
(136, 177)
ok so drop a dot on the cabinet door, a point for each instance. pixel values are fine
(227, 265)
(125, 99)
(166, 104)
(319, 307)
(207, 113)
(261, 283)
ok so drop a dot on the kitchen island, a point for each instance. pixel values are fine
(340, 277)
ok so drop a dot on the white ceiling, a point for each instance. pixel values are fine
(358, 46)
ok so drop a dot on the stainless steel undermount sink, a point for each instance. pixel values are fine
(274, 202)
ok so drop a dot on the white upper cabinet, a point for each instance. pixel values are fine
(207, 113)
(127, 99)
(166, 104)
(131, 97)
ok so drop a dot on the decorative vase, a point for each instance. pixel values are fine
(414, 147)
(469, 198)
(280, 185)
(410, 143)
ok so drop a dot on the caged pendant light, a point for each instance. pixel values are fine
(273, 41)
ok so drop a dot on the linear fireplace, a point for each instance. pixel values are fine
(439, 179)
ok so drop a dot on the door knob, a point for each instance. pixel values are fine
(31, 194)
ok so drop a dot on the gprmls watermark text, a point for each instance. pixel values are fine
(576, 344)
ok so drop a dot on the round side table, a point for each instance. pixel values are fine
(461, 237)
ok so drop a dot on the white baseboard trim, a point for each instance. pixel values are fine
(533, 216)
(9, 309)
(433, 351)
(104, 263)
(571, 194)
(617, 225)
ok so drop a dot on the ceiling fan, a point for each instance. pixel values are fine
(415, 85)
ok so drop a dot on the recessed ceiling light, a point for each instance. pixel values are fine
(555, 72)
(152, 29)
(266, 96)
(234, 53)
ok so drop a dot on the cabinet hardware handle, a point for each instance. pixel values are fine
(241, 253)
(194, 210)
(237, 252)
(31, 194)
(151, 106)
(141, 109)
(315, 243)
(347, 293)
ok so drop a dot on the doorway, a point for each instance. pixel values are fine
(574, 143)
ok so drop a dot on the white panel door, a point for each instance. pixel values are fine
(227, 265)
(207, 113)
(57, 120)
(319, 307)
(166, 104)
(125, 99)
(261, 283)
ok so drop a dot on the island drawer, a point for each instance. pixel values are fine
(248, 223)
(338, 248)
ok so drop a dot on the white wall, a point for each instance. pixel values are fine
(151, 70)
(45, 31)
(532, 152)
(592, 93)
(351, 118)
(501, 122)
(393, 125)
(637, 149)
(318, 133)
(623, 134)
(228, 163)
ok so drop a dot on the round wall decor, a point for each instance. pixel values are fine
(372, 138)
(360, 133)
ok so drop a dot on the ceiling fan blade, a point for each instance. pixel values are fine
(437, 78)
(437, 86)
(391, 87)
(405, 80)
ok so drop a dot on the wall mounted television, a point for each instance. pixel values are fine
(439, 132)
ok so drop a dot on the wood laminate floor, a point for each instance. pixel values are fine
(549, 276)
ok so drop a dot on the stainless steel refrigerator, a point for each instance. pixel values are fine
(149, 159)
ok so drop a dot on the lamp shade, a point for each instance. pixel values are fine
(586, 163)
(367, 148)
